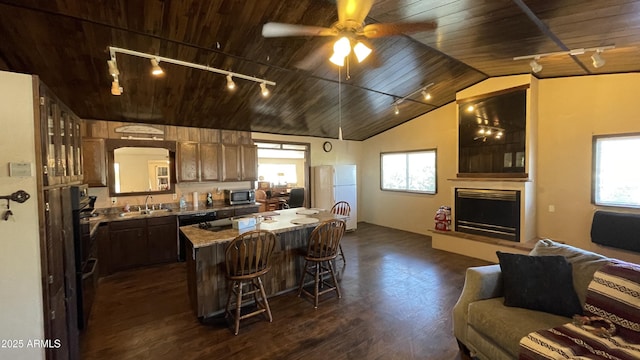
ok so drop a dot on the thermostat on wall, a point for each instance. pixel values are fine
(20, 169)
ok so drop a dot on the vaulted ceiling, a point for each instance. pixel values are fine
(65, 42)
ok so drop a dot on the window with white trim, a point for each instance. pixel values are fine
(410, 171)
(616, 176)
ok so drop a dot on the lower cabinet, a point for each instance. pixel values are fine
(140, 242)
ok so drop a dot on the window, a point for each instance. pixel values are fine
(413, 171)
(616, 178)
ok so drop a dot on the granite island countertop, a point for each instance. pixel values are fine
(276, 221)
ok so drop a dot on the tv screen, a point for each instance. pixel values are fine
(491, 135)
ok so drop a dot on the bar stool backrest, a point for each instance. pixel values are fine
(325, 240)
(248, 255)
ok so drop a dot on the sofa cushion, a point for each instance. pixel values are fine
(542, 283)
(505, 326)
(614, 294)
(584, 263)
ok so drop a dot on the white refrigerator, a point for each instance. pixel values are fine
(332, 184)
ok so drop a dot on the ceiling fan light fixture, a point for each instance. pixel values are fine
(156, 70)
(263, 90)
(535, 66)
(362, 51)
(230, 84)
(337, 59)
(342, 47)
(597, 59)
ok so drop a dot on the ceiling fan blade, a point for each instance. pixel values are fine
(355, 10)
(389, 29)
(313, 60)
(272, 29)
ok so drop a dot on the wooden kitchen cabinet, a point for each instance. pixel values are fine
(188, 161)
(249, 163)
(162, 233)
(210, 162)
(230, 162)
(128, 244)
(94, 162)
(246, 210)
(140, 242)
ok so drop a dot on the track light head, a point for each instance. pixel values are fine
(116, 89)
(535, 66)
(395, 109)
(597, 59)
(426, 95)
(263, 90)
(230, 84)
(156, 70)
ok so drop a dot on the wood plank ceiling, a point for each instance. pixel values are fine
(65, 42)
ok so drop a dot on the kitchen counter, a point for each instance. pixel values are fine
(279, 221)
(116, 214)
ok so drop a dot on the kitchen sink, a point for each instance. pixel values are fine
(145, 212)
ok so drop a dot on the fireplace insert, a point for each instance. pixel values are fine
(487, 212)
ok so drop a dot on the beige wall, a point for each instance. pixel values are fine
(20, 286)
(570, 111)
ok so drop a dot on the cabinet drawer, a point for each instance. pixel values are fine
(127, 224)
(162, 220)
(222, 214)
(247, 210)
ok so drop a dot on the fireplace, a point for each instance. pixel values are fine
(488, 212)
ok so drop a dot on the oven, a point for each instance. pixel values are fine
(85, 250)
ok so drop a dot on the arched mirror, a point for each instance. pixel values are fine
(140, 167)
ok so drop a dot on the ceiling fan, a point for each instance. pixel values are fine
(349, 29)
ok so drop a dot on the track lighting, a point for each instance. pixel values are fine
(422, 90)
(263, 90)
(113, 68)
(230, 84)
(116, 89)
(485, 131)
(156, 70)
(535, 66)
(596, 58)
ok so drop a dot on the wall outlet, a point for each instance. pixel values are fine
(552, 208)
(114, 200)
(175, 196)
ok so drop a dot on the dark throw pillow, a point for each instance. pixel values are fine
(542, 283)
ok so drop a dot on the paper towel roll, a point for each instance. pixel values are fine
(195, 199)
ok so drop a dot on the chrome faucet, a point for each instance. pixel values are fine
(146, 206)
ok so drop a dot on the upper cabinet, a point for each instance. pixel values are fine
(60, 141)
(230, 162)
(188, 161)
(249, 162)
(95, 162)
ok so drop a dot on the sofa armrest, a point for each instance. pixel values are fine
(483, 282)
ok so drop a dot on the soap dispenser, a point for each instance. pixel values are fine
(183, 202)
(209, 200)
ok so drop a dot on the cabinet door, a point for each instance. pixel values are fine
(49, 137)
(188, 161)
(128, 244)
(249, 162)
(210, 162)
(95, 162)
(163, 239)
(230, 162)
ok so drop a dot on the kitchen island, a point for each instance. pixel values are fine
(206, 256)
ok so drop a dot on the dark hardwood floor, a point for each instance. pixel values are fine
(397, 296)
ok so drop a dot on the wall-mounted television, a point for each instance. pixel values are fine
(491, 134)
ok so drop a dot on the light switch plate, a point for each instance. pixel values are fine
(20, 169)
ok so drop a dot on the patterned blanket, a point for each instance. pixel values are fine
(613, 296)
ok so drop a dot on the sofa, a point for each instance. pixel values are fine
(490, 326)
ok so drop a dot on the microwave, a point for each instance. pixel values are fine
(238, 197)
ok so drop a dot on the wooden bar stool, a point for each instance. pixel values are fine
(322, 250)
(341, 208)
(246, 259)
